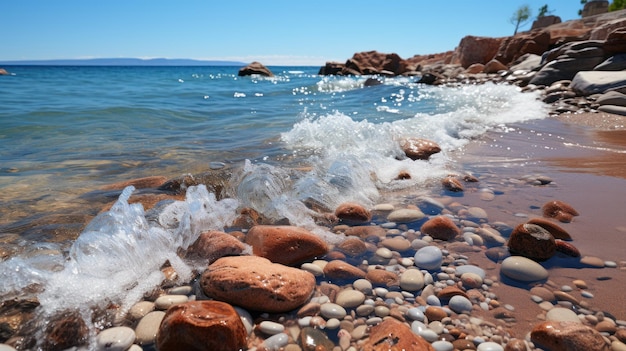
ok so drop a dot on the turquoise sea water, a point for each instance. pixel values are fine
(66, 131)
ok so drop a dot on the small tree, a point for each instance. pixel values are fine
(543, 10)
(617, 5)
(582, 2)
(520, 17)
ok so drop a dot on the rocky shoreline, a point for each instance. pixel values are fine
(418, 272)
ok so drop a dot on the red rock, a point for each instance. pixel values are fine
(449, 291)
(511, 48)
(353, 213)
(337, 269)
(365, 231)
(567, 248)
(473, 49)
(567, 336)
(418, 148)
(382, 277)
(554, 229)
(139, 183)
(3, 72)
(214, 244)
(452, 184)
(475, 68)
(440, 227)
(559, 210)
(257, 284)
(615, 42)
(393, 335)
(494, 66)
(65, 330)
(287, 245)
(374, 62)
(532, 241)
(352, 247)
(434, 313)
(200, 326)
(255, 68)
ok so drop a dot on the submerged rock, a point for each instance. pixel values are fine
(568, 336)
(255, 68)
(287, 245)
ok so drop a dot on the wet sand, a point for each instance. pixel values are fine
(585, 155)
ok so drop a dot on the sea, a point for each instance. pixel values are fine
(291, 139)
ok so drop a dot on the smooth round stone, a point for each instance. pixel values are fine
(271, 328)
(363, 285)
(586, 294)
(246, 318)
(312, 268)
(397, 243)
(523, 269)
(166, 301)
(333, 323)
(415, 314)
(140, 309)
(433, 300)
(476, 213)
(350, 298)
(471, 280)
(418, 244)
(147, 328)
(592, 261)
(383, 207)
(560, 314)
(412, 280)
(489, 346)
(429, 258)
(276, 342)
(332, 310)
(405, 215)
(115, 339)
(470, 268)
(442, 345)
(460, 304)
(181, 290)
(364, 310)
(381, 311)
(5, 347)
(384, 252)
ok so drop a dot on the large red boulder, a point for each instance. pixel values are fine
(255, 68)
(473, 49)
(288, 245)
(511, 48)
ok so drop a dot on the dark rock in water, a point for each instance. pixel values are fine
(13, 313)
(430, 78)
(3, 72)
(498, 253)
(201, 325)
(452, 184)
(418, 148)
(312, 339)
(532, 241)
(554, 229)
(216, 181)
(65, 330)
(440, 227)
(139, 183)
(255, 68)
(559, 210)
(370, 82)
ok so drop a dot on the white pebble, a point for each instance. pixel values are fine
(147, 328)
(271, 328)
(489, 346)
(460, 304)
(276, 342)
(586, 294)
(442, 345)
(314, 269)
(166, 301)
(115, 339)
(246, 318)
(415, 314)
(332, 310)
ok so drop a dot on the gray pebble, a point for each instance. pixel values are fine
(332, 310)
(115, 339)
(271, 328)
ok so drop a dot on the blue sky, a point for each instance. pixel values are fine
(273, 32)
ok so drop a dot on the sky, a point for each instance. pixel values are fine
(273, 32)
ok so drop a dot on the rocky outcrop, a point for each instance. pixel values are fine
(473, 49)
(514, 47)
(255, 68)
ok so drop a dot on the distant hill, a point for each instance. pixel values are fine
(123, 62)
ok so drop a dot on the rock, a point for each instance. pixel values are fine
(3, 72)
(430, 78)
(312, 339)
(512, 48)
(397, 243)
(352, 247)
(532, 241)
(460, 304)
(255, 68)
(452, 184)
(494, 66)
(201, 325)
(567, 336)
(613, 63)
(612, 98)
(257, 284)
(449, 291)
(564, 68)
(526, 62)
(429, 258)
(148, 328)
(393, 335)
(418, 148)
(341, 270)
(382, 277)
(440, 227)
(374, 62)
(616, 110)
(474, 49)
(365, 231)
(475, 68)
(353, 213)
(435, 313)
(560, 314)
(523, 269)
(616, 41)
(214, 244)
(405, 215)
(288, 245)
(554, 229)
(331, 69)
(559, 210)
(349, 298)
(412, 280)
(597, 82)
(566, 248)
(65, 330)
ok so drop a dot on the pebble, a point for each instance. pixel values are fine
(469, 268)
(477, 213)
(5, 347)
(429, 258)
(147, 328)
(363, 285)
(405, 215)
(271, 328)
(442, 345)
(276, 342)
(415, 314)
(246, 318)
(115, 339)
(350, 298)
(312, 268)
(412, 280)
(166, 301)
(561, 314)
(181, 290)
(523, 269)
(471, 280)
(332, 310)
(592, 261)
(581, 284)
(489, 346)
(460, 304)
(140, 309)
